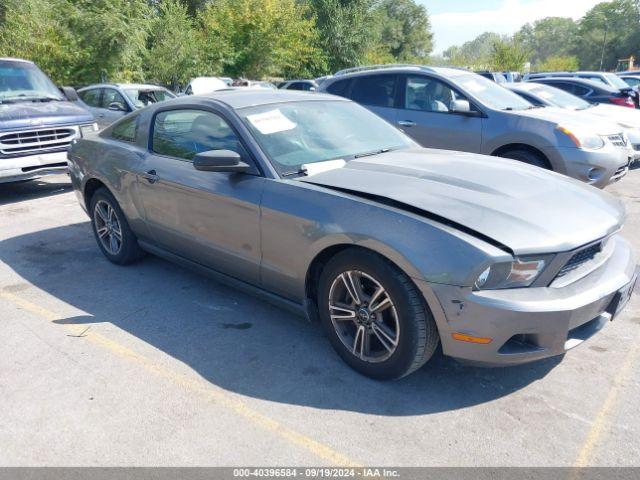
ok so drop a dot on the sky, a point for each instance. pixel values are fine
(457, 21)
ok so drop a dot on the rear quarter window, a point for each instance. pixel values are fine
(126, 130)
(340, 88)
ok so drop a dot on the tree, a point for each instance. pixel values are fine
(551, 36)
(475, 53)
(620, 19)
(508, 56)
(173, 54)
(345, 31)
(261, 38)
(38, 30)
(113, 35)
(558, 63)
(404, 30)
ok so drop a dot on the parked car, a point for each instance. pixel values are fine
(593, 92)
(497, 77)
(304, 85)
(606, 78)
(202, 85)
(459, 110)
(548, 96)
(512, 77)
(38, 122)
(500, 262)
(111, 101)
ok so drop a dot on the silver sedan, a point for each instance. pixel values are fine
(315, 203)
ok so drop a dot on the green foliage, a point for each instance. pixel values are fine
(404, 30)
(345, 31)
(558, 63)
(549, 37)
(508, 56)
(257, 38)
(175, 46)
(475, 54)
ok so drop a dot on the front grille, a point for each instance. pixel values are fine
(34, 141)
(580, 258)
(617, 140)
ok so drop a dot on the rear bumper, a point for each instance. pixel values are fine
(32, 166)
(528, 324)
(596, 167)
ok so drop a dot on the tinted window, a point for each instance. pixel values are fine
(111, 95)
(126, 130)
(429, 95)
(580, 91)
(183, 133)
(339, 88)
(146, 96)
(375, 90)
(91, 97)
(299, 86)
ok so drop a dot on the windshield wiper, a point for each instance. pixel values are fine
(300, 171)
(374, 152)
(35, 98)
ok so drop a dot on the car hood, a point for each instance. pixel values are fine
(525, 208)
(621, 115)
(14, 116)
(561, 116)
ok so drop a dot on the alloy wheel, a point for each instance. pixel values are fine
(364, 316)
(108, 227)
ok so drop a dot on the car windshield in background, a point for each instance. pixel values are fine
(141, 97)
(22, 81)
(616, 81)
(298, 133)
(559, 97)
(490, 93)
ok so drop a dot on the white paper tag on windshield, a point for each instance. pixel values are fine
(270, 122)
(319, 167)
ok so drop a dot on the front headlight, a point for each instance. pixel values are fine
(521, 272)
(84, 129)
(586, 140)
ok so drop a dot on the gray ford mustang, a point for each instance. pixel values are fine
(316, 203)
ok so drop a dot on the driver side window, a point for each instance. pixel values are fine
(184, 133)
(429, 95)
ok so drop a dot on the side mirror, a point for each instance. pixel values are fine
(117, 107)
(219, 161)
(462, 107)
(70, 93)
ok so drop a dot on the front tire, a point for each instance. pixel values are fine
(111, 229)
(374, 315)
(528, 157)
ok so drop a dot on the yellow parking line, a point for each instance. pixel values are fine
(601, 423)
(213, 393)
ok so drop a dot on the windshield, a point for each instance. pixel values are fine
(616, 81)
(490, 93)
(141, 97)
(297, 133)
(559, 97)
(22, 81)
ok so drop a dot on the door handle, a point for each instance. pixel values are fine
(151, 176)
(406, 123)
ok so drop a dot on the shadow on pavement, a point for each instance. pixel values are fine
(235, 341)
(20, 191)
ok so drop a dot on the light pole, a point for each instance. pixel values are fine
(604, 42)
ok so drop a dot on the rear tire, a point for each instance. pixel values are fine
(383, 337)
(111, 229)
(527, 156)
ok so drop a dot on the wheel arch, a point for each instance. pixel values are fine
(323, 256)
(91, 186)
(498, 152)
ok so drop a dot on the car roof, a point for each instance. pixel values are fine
(10, 59)
(366, 70)
(579, 81)
(121, 85)
(250, 98)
